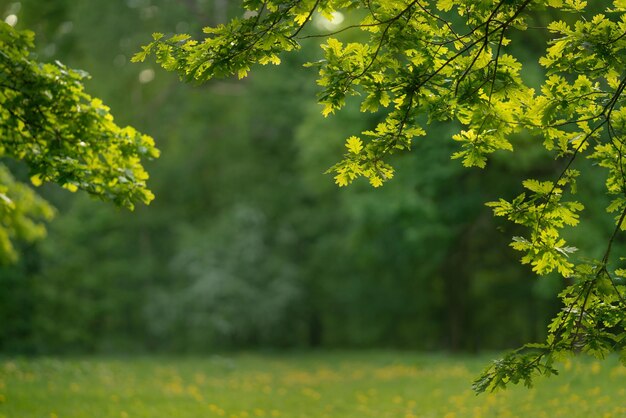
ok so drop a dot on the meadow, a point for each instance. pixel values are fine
(309, 385)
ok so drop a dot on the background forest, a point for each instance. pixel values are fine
(248, 244)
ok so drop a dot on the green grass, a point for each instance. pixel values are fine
(316, 385)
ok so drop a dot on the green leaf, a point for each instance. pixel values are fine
(445, 5)
(354, 145)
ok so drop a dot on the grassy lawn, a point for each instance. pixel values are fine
(332, 385)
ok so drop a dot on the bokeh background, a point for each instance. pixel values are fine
(248, 244)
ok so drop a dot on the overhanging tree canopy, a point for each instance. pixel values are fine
(64, 136)
(449, 61)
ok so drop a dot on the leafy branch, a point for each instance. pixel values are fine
(416, 61)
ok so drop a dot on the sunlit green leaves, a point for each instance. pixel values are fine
(354, 145)
(445, 5)
(544, 213)
(64, 136)
(414, 63)
(232, 49)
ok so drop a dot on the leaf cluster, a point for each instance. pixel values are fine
(591, 322)
(63, 135)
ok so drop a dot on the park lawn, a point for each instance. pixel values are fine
(313, 385)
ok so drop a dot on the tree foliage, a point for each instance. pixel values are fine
(427, 62)
(64, 136)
